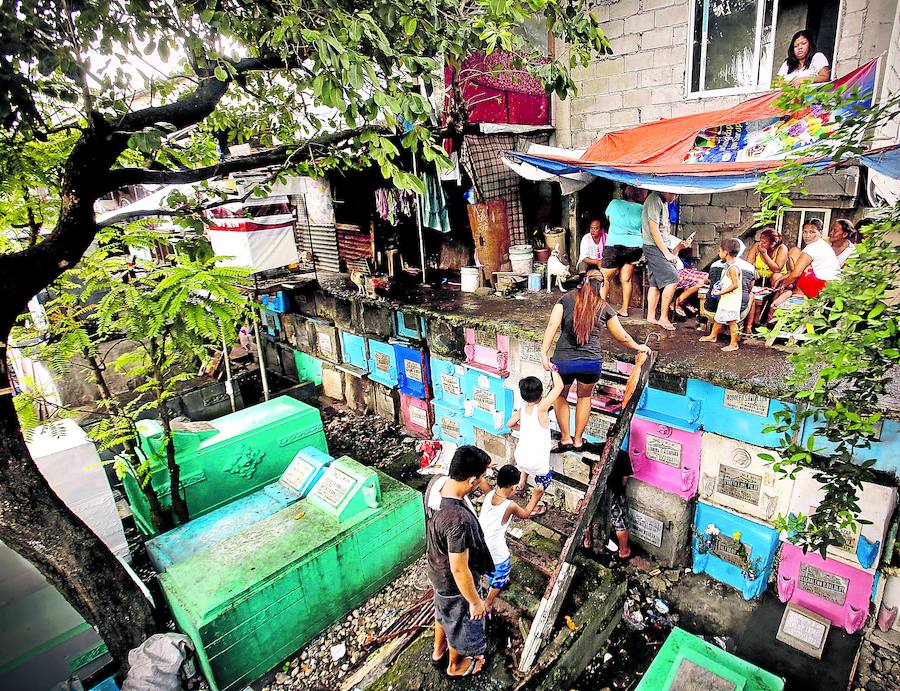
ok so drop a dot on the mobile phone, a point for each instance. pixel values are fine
(690, 238)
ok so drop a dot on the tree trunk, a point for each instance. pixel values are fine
(179, 505)
(161, 518)
(39, 526)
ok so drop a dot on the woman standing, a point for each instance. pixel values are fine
(842, 235)
(579, 318)
(803, 63)
(768, 255)
(623, 242)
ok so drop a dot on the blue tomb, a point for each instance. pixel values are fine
(447, 383)
(354, 353)
(735, 414)
(412, 371)
(382, 363)
(488, 402)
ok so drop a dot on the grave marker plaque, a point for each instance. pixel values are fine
(296, 474)
(598, 426)
(645, 527)
(747, 402)
(729, 550)
(822, 584)
(530, 351)
(382, 362)
(803, 630)
(326, 346)
(450, 384)
(665, 451)
(413, 370)
(485, 338)
(485, 399)
(739, 484)
(450, 427)
(693, 677)
(418, 416)
(333, 487)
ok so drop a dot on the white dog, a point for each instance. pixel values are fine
(555, 268)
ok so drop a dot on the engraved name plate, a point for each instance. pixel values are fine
(739, 484)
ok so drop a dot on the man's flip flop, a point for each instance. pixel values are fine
(562, 448)
(471, 671)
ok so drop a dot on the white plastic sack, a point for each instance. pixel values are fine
(155, 664)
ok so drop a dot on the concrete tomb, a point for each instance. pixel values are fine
(382, 363)
(688, 663)
(861, 545)
(417, 415)
(227, 458)
(734, 550)
(660, 522)
(488, 402)
(828, 587)
(487, 350)
(735, 477)
(354, 354)
(447, 382)
(409, 328)
(412, 371)
(254, 597)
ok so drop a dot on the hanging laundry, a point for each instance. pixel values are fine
(435, 214)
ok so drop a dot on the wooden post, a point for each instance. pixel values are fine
(562, 576)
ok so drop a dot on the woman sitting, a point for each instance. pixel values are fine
(812, 267)
(623, 243)
(579, 317)
(842, 236)
(769, 255)
(803, 63)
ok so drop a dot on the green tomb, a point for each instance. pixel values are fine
(688, 663)
(253, 598)
(226, 458)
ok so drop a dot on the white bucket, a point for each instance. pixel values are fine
(470, 279)
(521, 258)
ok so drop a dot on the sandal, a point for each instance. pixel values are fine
(470, 671)
(680, 312)
(563, 448)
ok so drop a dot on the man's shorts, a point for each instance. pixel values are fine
(544, 480)
(617, 256)
(661, 272)
(464, 634)
(500, 577)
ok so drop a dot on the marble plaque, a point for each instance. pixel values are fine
(413, 370)
(693, 677)
(530, 351)
(334, 487)
(644, 527)
(382, 362)
(326, 345)
(822, 584)
(418, 416)
(747, 402)
(296, 474)
(450, 427)
(729, 550)
(450, 384)
(739, 484)
(194, 427)
(598, 426)
(803, 630)
(664, 451)
(485, 399)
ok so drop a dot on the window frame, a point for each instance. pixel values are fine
(757, 87)
(826, 222)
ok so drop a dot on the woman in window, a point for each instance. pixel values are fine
(803, 63)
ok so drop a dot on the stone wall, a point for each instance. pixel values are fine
(644, 81)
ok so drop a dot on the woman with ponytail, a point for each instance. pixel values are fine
(579, 318)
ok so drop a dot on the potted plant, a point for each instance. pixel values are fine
(541, 251)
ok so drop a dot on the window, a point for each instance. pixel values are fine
(791, 221)
(737, 46)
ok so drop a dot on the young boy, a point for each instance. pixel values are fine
(532, 454)
(496, 514)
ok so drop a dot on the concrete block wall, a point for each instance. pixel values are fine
(644, 81)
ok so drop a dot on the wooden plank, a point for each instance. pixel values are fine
(561, 579)
(542, 561)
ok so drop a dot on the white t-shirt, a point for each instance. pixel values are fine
(590, 249)
(824, 261)
(846, 254)
(815, 66)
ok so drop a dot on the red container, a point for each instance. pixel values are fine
(417, 415)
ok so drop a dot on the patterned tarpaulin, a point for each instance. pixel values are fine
(718, 151)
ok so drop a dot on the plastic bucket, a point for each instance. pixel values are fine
(470, 279)
(556, 240)
(521, 258)
(534, 281)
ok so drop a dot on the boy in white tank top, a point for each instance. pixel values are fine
(532, 420)
(497, 513)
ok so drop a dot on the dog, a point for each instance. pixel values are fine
(556, 269)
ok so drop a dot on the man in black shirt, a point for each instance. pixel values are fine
(457, 559)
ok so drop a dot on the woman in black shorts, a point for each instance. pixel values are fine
(579, 317)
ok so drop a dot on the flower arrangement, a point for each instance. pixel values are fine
(707, 539)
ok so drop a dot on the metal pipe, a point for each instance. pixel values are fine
(259, 347)
(419, 220)
(229, 388)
